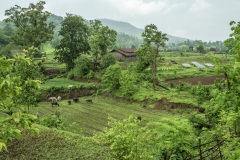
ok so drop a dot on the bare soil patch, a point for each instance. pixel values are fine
(195, 80)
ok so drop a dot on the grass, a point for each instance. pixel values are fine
(54, 144)
(93, 117)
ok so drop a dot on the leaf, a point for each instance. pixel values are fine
(2, 146)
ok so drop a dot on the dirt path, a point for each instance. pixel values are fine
(195, 80)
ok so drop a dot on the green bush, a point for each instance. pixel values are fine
(111, 77)
(70, 74)
(107, 60)
(83, 65)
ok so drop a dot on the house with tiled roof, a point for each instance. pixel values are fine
(124, 53)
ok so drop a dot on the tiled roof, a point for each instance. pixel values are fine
(128, 52)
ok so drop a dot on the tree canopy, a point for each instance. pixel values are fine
(101, 38)
(74, 42)
(31, 24)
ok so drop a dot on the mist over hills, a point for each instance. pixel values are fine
(127, 28)
(119, 26)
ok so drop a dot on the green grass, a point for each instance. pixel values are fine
(54, 144)
(93, 117)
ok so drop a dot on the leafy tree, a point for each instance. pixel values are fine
(8, 30)
(200, 48)
(31, 25)
(101, 39)
(223, 112)
(74, 42)
(107, 60)
(27, 71)
(11, 87)
(148, 52)
(111, 77)
(4, 39)
(7, 50)
(83, 65)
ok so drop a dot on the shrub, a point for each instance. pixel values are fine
(70, 74)
(111, 77)
(107, 60)
(83, 65)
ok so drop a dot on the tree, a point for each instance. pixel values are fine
(200, 48)
(10, 87)
(74, 40)
(101, 38)
(27, 70)
(8, 30)
(31, 25)
(223, 112)
(153, 40)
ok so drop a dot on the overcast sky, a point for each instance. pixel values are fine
(193, 19)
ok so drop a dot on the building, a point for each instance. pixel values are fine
(124, 54)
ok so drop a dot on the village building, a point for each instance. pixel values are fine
(124, 54)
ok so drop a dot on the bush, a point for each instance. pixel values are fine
(83, 65)
(111, 77)
(70, 75)
(107, 60)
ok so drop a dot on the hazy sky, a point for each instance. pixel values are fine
(193, 19)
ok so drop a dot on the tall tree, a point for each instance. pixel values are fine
(201, 49)
(74, 40)
(101, 38)
(31, 25)
(153, 40)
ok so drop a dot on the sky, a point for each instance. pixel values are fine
(206, 20)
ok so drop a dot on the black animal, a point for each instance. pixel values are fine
(89, 101)
(139, 118)
(144, 106)
(69, 102)
(54, 104)
(75, 99)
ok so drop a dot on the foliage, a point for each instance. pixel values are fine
(30, 20)
(101, 38)
(166, 139)
(53, 121)
(27, 71)
(83, 65)
(127, 81)
(111, 77)
(200, 48)
(7, 51)
(148, 52)
(224, 108)
(11, 87)
(74, 42)
(107, 60)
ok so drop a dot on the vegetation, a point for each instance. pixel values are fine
(74, 42)
(30, 20)
(143, 109)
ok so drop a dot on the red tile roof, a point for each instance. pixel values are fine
(128, 52)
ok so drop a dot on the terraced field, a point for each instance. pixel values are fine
(93, 117)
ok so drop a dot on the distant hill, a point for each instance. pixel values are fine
(127, 28)
(119, 26)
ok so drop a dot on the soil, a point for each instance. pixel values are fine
(195, 80)
(51, 71)
(65, 95)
